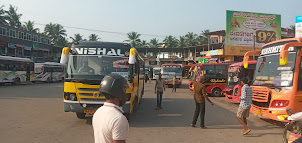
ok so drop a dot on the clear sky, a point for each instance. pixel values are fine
(152, 17)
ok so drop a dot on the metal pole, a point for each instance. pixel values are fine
(254, 47)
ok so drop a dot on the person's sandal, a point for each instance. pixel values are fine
(192, 125)
(203, 127)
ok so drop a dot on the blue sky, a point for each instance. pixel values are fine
(153, 17)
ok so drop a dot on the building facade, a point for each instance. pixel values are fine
(21, 43)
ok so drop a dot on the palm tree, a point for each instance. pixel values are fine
(93, 37)
(170, 41)
(142, 44)
(77, 37)
(203, 39)
(182, 43)
(63, 42)
(55, 32)
(292, 27)
(13, 17)
(29, 26)
(191, 39)
(153, 43)
(2, 16)
(133, 38)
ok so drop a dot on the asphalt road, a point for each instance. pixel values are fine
(34, 113)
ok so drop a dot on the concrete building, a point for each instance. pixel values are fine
(21, 43)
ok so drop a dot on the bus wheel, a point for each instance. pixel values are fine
(216, 92)
(17, 81)
(81, 115)
(135, 104)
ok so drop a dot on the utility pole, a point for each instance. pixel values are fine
(254, 47)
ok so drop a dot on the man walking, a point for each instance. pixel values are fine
(159, 89)
(245, 105)
(199, 96)
(109, 123)
(174, 83)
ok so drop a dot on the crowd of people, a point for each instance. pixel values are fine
(111, 126)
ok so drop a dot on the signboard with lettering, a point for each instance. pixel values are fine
(298, 26)
(242, 27)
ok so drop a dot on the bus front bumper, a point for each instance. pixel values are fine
(277, 114)
(76, 106)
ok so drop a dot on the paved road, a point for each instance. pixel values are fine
(34, 113)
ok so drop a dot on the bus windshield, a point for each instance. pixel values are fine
(156, 71)
(96, 67)
(174, 69)
(268, 71)
(233, 78)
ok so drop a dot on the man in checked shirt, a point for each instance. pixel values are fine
(245, 105)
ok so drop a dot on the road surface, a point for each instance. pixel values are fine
(34, 113)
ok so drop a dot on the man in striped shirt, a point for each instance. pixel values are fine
(245, 105)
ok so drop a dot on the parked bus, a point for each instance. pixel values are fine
(15, 70)
(156, 72)
(236, 71)
(186, 71)
(277, 86)
(49, 72)
(88, 63)
(215, 76)
(168, 72)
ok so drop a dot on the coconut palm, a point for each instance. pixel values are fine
(153, 43)
(203, 39)
(133, 38)
(182, 43)
(142, 44)
(170, 41)
(77, 37)
(55, 32)
(63, 42)
(2, 16)
(13, 17)
(94, 37)
(191, 39)
(29, 26)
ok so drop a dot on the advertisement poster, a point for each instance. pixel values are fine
(243, 27)
(298, 26)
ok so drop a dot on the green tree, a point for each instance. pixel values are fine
(170, 41)
(13, 17)
(182, 43)
(153, 43)
(55, 32)
(203, 38)
(142, 44)
(2, 16)
(292, 27)
(94, 37)
(191, 39)
(29, 26)
(133, 38)
(77, 37)
(63, 42)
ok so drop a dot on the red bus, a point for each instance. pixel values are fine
(236, 71)
(215, 76)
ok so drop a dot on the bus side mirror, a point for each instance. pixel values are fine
(284, 52)
(247, 56)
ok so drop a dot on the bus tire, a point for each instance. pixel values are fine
(81, 115)
(135, 104)
(216, 92)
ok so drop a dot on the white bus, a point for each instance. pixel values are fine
(15, 70)
(156, 72)
(168, 72)
(49, 72)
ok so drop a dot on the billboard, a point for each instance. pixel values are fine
(243, 27)
(298, 26)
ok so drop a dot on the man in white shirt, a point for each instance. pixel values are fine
(109, 123)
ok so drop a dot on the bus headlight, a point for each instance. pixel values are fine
(73, 97)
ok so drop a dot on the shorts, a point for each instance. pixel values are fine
(243, 112)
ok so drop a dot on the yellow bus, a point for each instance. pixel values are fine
(88, 63)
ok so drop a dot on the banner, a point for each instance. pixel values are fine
(298, 26)
(243, 27)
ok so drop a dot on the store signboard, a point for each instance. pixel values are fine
(298, 26)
